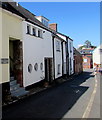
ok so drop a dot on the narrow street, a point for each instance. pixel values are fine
(77, 98)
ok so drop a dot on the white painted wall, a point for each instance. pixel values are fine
(71, 71)
(58, 58)
(64, 56)
(97, 56)
(34, 51)
(64, 51)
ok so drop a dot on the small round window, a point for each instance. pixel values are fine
(36, 66)
(41, 66)
(29, 68)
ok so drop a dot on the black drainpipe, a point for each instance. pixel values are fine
(53, 55)
(67, 58)
(62, 59)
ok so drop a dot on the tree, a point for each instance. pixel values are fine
(87, 44)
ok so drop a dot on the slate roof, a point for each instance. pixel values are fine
(65, 36)
(24, 13)
(76, 52)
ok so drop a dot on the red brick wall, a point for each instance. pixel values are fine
(53, 26)
(88, 63)
(78, 64)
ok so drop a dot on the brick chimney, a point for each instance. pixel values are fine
(53, 26)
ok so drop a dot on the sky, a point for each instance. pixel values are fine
(78, 20)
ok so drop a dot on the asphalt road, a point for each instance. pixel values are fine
(72, 99)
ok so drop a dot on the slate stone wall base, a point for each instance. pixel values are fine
(6, 95)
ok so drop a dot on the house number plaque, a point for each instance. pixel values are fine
(4, 60)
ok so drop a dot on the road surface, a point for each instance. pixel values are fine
(77, 98)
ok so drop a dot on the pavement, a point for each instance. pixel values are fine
(66, 100)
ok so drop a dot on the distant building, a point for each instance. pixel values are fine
(78, 62)
(87, 57)
(97, 56)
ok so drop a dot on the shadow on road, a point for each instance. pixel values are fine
(54, 102)
(79, 79)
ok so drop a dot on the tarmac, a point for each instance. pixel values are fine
(38, 89)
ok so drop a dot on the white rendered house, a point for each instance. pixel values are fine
(37, 45)
(68, 53)
(97, 56)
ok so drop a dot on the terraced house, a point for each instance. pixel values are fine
(31, 50)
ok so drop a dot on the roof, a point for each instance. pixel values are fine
(19, 10)
(65, 36)
(43, 17)
(30, 17)
(86, 51)
(76, 52)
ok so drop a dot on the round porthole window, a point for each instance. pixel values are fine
(29, 68)
(36, 66)
(41, 66)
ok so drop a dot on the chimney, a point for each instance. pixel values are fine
(53, 26)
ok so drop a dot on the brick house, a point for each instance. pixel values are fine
(78, 62)
(87, 57)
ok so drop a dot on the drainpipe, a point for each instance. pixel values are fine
(53, 55)
(62, 59)
(67, 58)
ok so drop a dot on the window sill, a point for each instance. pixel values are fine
(58, 50)
(34, 35)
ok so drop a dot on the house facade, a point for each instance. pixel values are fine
(71, 58)
(87, 57)
(97, 56)
(31, 51)
(68, 52)
(68, 66)
(78, 62)
(37, 47)
(11, 42)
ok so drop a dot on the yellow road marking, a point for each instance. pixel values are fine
(89, 106)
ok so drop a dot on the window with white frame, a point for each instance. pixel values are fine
(40, 33)
(34, 31)
(58, 46)
(45, 22)
(28, 29)
(58, 69)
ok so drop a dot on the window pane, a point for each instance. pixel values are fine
(58, 69)
(39, 33)
(29, 68)
(34, 32)
(28, 29)
(57, 45)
